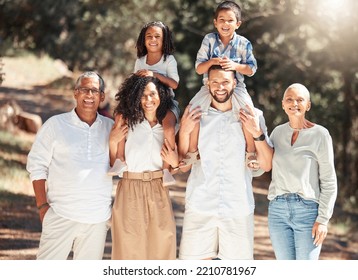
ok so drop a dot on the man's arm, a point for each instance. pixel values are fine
(41, 198)
(38, 162)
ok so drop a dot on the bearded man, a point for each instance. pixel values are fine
(219, 208)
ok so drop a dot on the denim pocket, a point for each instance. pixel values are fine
(309, 204)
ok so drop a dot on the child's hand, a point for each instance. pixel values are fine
(168, 155)
(215, 61)
(228, 64)
(145, 73)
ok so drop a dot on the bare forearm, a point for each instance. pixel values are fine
(112, 151)
(204, 66)
(40, 191)
(264, 155)
(244, 69)
(184, 142)
(166, 80)
(41, 197)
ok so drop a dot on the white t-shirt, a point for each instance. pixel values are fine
(166, 68)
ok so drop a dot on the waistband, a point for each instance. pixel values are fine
(288, 196)
(145, 176)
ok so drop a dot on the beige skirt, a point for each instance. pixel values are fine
(143, 225)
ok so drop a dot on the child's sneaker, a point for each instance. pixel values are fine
(118, 168)
(253, 164)
(257, 172)
(168, 179)
(251, 161)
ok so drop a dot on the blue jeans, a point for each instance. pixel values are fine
(290, 220)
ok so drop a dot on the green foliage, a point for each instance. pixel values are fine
(86, 34)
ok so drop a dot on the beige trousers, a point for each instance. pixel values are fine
(143, 225)
(59, 236)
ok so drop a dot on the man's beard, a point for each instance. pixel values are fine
(222, 100)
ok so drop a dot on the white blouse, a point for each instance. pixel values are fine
(143, 147)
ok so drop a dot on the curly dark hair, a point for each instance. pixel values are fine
(129, 99)
(168, 42)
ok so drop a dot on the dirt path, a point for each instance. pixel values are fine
(20, 227)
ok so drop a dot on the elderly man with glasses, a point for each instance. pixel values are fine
(68, 163)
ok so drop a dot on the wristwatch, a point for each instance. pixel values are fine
(260, 138)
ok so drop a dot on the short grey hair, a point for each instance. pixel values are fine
(90, 74)
(301, 88)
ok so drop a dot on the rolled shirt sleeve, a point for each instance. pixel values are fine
(40, 155)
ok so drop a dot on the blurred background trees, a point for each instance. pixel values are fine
(311, 42)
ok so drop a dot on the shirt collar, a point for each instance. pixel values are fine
(76, 120)
(221, 112)
(232, 41)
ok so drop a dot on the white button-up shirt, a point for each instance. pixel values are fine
(74, 159)
(220, 184)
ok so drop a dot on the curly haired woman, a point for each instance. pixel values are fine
(143, 225)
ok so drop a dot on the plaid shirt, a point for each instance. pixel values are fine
(239, 50)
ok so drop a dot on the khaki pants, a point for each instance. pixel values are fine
(143, 225)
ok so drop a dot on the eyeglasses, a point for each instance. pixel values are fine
(85, 90)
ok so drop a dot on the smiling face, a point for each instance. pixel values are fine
(296, 101)
(154, 39)
(221, 85)
(150, 100)
(88, 98)
(226, 24)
